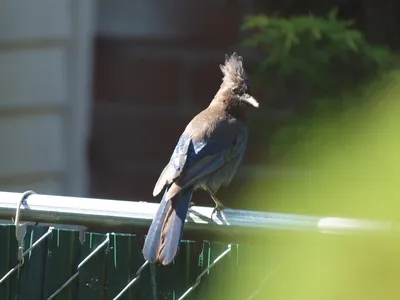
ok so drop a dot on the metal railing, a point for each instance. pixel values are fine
(32, 207)
(113, 213)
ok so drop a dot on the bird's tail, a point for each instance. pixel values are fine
(166, 230)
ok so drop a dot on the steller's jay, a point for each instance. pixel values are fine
(206, 157)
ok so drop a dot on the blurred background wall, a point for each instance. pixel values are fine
(156, 66)
(96, 93)
(45, 84)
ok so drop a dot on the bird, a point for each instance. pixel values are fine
(205, 157)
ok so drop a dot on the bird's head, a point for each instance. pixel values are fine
(235, 87)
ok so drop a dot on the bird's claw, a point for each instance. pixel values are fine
(217, 209)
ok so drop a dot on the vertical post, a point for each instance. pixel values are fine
(79, 77)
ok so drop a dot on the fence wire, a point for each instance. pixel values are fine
(83, 262)
(21, 260)
(198, 279)
(267, 277)
(133, 281)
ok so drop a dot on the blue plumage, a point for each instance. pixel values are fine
(206, 156)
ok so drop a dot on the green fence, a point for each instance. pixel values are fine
(313, 255)
(104, 265)
(52, 263)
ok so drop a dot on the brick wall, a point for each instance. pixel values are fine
(147, 89)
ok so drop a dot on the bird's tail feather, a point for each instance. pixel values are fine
(172, 230)
(166, 230)
(152, 242)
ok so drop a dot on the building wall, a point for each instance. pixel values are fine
(45, 79)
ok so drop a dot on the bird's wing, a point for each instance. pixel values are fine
(193, 159)
(175, 165)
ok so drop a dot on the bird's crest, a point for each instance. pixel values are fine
(233, 70)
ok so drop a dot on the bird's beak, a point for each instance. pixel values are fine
(250, 100)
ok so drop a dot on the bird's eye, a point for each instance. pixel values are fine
(237, 91)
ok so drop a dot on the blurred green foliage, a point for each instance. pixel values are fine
(312, 66)
(355, 167)
(344, 136)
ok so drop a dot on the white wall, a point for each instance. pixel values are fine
(45, 84)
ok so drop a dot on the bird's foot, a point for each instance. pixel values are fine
(219, 207)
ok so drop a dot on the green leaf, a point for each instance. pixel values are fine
(332, 14)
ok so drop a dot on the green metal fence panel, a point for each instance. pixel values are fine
(31, 274)
(60, 267)
(8, 259)
(219, 280)
(92, 275)
(186, 268)
(122, 261)
(62, 258)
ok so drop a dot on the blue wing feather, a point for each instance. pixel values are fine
(175, 164)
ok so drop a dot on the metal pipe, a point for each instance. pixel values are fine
(104, 213)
